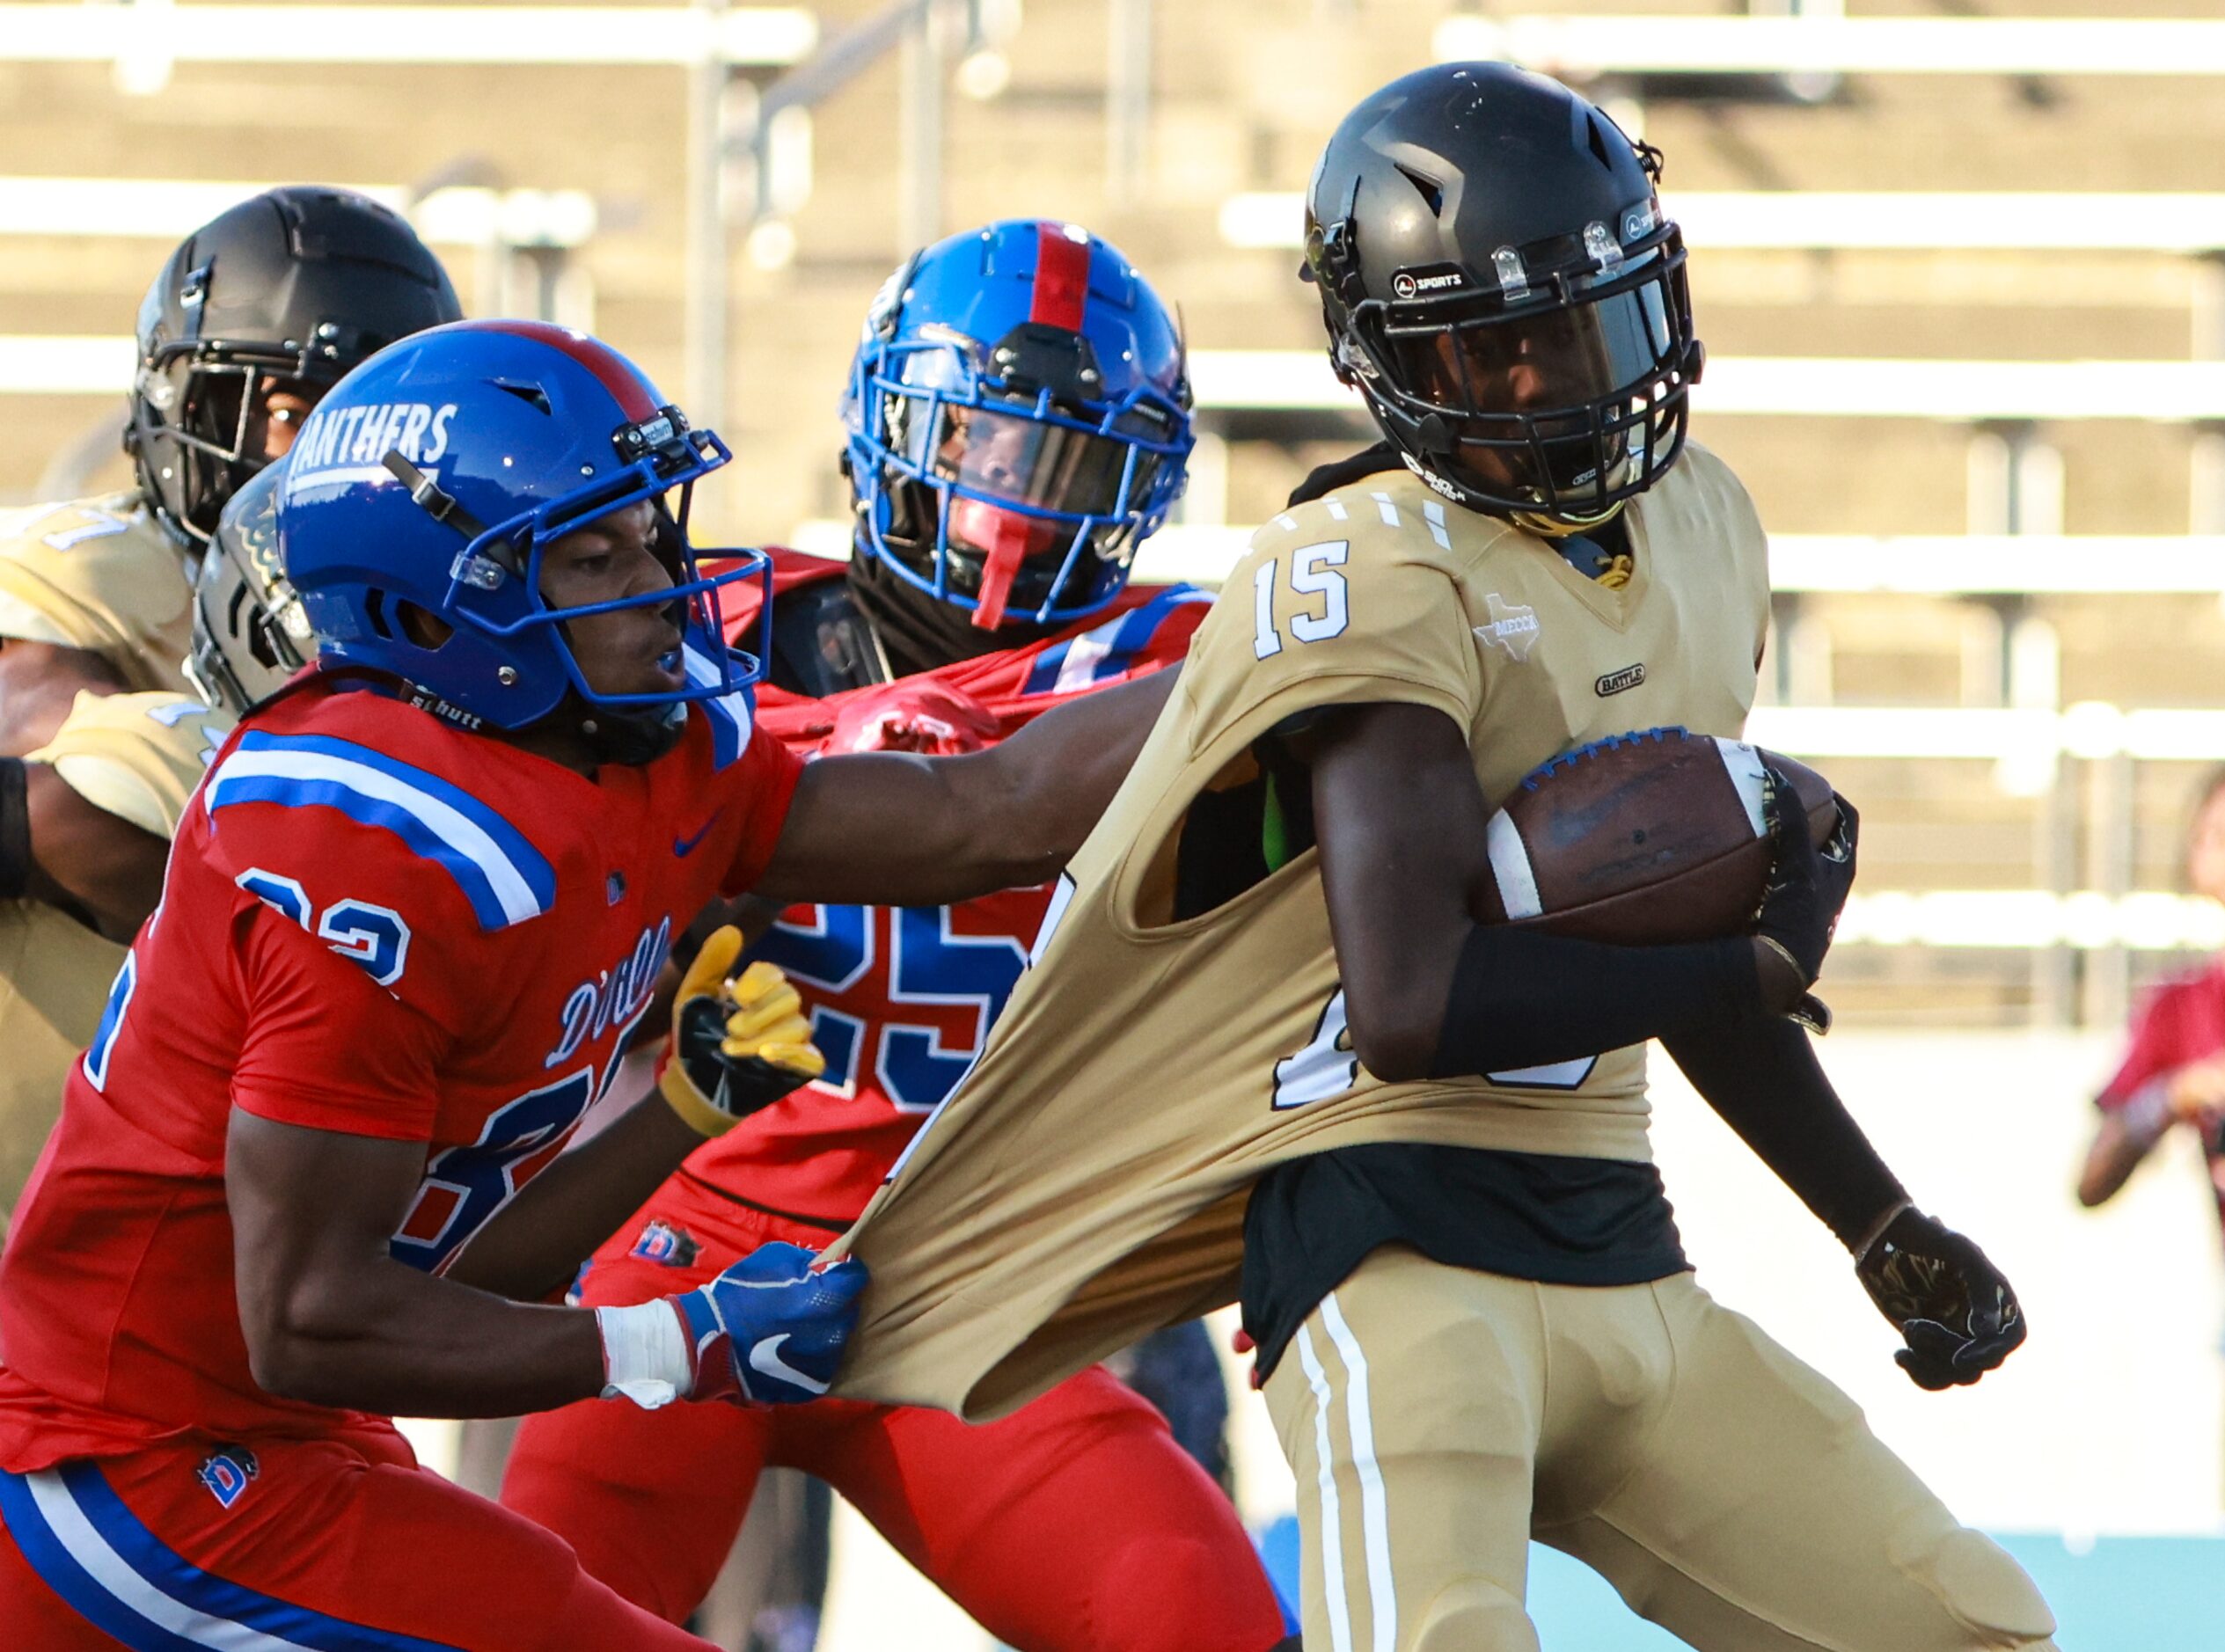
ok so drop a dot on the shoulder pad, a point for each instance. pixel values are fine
(1155, 631)
(409, 816)
(137, 756)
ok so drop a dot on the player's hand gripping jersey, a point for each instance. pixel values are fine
(102, 575)
(901, 1000)
(1086, 1184)
(376, 924)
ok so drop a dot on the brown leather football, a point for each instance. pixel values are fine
(1645, 838)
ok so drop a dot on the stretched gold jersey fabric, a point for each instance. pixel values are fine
(1085, 1184)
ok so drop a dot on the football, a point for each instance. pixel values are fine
(1645, 838)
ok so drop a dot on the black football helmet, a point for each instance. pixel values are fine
(297, 284)
(1499, 283)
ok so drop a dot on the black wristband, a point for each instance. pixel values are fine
(1523, 999)
(15, 830)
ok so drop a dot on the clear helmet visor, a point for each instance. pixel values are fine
(1557, 406)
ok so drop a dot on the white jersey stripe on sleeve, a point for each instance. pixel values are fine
(465, 838)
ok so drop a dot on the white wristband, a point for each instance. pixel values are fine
(645, 1354)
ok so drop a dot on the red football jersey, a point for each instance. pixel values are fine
(900, 998)
(374, 924)
(2181, 1021)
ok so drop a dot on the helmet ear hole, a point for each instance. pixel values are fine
(375, 611)
(421, 625)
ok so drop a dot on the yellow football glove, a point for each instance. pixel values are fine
(737, 1045)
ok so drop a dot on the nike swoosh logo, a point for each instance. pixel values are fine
(685, 846)
(765, 1356)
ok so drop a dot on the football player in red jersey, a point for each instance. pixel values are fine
(1017, 422)
(411, 916)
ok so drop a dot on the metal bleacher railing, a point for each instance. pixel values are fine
(1820, 42)
(141, 34)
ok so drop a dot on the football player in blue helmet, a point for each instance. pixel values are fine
(1018, 421)
(412, 917)
(504, 436)
(1016, 424)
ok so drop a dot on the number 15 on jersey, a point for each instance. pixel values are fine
(1314, 576)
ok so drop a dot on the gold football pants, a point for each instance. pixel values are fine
(1438, 1419)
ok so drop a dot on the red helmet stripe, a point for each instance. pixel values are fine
(1062, 276)
(615, 373)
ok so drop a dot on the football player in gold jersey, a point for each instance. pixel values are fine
(1265, 1049)
(100, 739)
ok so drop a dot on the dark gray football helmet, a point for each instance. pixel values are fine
(1498, 281)
(249, 632)
(299, 284)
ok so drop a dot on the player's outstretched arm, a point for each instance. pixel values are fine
(884, 829)
(1433, 992)
(332, 1320)
(58, 848)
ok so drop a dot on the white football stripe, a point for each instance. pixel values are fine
(1743, 764)
(453, 828)
(1340, 1609)
(112, 1573)
(1511, 868)
(1375, 1521)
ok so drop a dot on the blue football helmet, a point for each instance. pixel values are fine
(1018, 421)
(435, 474)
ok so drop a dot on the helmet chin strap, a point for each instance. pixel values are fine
(629, 738)
(1561, 527)
(1432, 434)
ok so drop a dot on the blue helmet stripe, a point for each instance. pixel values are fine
(504, 877)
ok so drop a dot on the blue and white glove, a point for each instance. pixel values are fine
(767, 1331)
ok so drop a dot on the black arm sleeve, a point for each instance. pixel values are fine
(1762, 1076)
(1522, 999)
(15, 830)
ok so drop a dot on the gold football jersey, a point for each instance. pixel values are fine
(103, 575)
(1085, 1184)
(138, 757)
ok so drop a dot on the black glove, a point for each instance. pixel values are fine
(1950, 1305)
(1806, 890)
